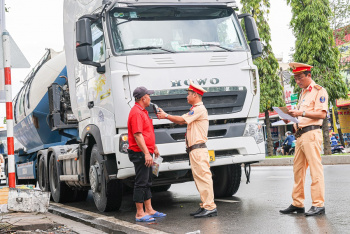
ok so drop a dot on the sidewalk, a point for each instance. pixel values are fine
(19, 222)
(326, 160)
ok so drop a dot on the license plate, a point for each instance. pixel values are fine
(3, 182)
(211, 155)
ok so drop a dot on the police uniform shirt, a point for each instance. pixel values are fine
(313, 98)
(197, 124)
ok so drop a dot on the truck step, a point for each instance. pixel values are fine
(69, 177)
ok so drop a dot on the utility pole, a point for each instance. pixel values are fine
(8, 99)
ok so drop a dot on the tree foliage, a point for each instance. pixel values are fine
(271, 91)
(340, 23)
(315, 44)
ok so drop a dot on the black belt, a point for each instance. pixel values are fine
(301, 131)
(196, 146)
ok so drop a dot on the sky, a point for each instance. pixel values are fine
(38, 24)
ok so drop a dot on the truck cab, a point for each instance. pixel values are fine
(112, 47)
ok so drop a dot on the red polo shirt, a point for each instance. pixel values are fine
(139, 121)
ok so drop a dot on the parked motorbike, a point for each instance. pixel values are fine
(337, 149)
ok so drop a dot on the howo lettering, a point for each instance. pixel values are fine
(71, 114)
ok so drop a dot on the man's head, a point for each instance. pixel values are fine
(142, 96)
(195, 93)
(302, 74)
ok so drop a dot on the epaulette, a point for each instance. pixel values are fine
(318, 87)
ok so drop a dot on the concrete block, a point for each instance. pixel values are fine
(28, 200)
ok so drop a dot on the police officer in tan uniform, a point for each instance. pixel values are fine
(311, 110)
(196, 137)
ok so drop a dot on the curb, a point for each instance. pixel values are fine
(326, 160)
(104, 222)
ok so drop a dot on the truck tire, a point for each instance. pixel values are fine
(226, 179)
(161, 188)
(107, 195)
(60, 191)
(42, 175)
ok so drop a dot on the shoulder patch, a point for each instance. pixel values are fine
(191, 112)
(318, 87)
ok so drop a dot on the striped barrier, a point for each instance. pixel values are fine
(9, 111)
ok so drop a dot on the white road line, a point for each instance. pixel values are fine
(111, 219)
(229, 201)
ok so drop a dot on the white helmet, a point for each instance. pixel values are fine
(288, 133)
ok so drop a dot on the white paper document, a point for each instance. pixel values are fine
(281, 111)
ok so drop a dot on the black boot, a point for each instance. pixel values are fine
(197, 211)
(315, 211)
(292, 209)
(207, 213)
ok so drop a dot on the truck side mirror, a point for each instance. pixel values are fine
(252, 34)
(84, 42)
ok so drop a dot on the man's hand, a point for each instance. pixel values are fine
(161, 114)
(149, 160)
(286, 121)
(295, 113)
(156, 152)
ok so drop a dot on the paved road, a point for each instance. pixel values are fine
(253, 209)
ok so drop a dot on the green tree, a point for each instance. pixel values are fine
(315, 46)
(271, 90)
(340, 23)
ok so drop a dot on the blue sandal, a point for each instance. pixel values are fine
(146, 218)
(158, 215)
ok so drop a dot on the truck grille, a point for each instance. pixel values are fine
(183, 157)
(211, 134)
(217, 103)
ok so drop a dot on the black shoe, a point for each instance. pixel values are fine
(292, 209)
(197, 211)
(207, 213)
(315, 211)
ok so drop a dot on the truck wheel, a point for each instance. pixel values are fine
(107, 195)
(60, 191)
(42, 175)
(226, 180)
(162, 188)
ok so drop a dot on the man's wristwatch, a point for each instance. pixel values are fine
(303, 114)
(166, 116)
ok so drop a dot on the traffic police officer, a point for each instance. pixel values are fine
(311, 110)
(196, 137)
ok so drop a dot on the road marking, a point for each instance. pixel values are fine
(111, 219)
(229, 201)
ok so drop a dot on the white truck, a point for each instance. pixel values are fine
(75, 133)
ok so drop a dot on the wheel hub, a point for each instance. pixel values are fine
(94, 178)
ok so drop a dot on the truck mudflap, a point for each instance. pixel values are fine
(26, 170)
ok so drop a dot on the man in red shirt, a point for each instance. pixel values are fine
(142, 145)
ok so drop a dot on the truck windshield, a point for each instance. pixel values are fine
(175, 30)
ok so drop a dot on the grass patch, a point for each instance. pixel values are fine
(280, 156)
(291, 156)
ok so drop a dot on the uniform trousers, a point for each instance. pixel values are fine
(308, 153)
(202, 177)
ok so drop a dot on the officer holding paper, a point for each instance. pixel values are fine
(311, 110)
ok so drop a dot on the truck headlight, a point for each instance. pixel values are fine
(254, 130)
(123, 143)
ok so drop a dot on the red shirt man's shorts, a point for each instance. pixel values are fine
(139, 121)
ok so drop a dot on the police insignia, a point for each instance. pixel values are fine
(322, 99)
(318, 87)
(191, 112)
